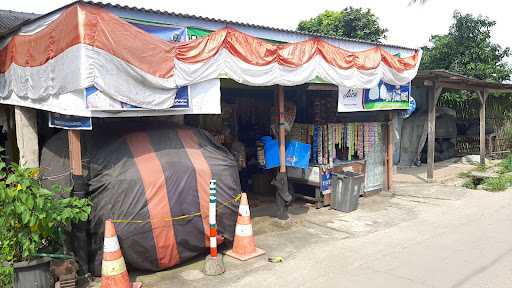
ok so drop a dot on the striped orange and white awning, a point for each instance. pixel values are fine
(85, 45)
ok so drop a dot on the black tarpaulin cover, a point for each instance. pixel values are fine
(152, 175)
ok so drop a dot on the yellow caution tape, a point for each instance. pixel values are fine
(183, 217)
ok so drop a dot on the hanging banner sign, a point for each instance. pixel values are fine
(182, 99)
(167, 33)
(63, 121)
(386, 97)
(194, 33)
(350, 100)
(325, 182)
(200, 98)
(204, 98)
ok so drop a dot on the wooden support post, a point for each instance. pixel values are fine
(79, 236)
(283, 196)
(389, 153)
(282, 139)
(434, 92)
(26, 136)
(75, 152)
(483, 99)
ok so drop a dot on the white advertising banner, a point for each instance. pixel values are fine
(202, 98)
(349, 99)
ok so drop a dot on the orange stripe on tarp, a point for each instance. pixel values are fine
(155, 187)
(203, 176)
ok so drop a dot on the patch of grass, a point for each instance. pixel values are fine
(496, 184)
(481, 168)
(469, 183)
(506, 164)
(493, 184)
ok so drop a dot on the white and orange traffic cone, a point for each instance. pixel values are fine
(244, 246)
(113, 268)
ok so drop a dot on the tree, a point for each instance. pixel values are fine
(467, 49)
(353, 23)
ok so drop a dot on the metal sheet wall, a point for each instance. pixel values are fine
(375, 156)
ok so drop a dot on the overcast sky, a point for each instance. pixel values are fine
(408, 25)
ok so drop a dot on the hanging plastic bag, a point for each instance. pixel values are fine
(297, 154)
(271, 151)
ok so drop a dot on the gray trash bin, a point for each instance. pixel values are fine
(346, 188)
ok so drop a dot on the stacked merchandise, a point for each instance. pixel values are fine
(301, 132)
(338, 141)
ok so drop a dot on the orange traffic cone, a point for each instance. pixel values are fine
(244, 246)
(113, 268)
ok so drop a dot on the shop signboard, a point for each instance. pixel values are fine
(349, 99)
(63, 121)
(386, 97)
(194, 33)
(182, 98)
(167, 33)
(325, 184)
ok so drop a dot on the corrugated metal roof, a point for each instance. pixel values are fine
(10, 19)
(448, 77)
(182, 15)
(356, 44)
